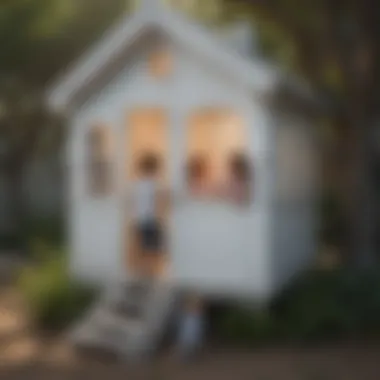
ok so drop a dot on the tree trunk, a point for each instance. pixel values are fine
(361, 200)
(17, 206)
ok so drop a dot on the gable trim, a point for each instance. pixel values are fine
(121, 37)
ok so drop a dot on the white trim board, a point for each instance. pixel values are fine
(259, 76)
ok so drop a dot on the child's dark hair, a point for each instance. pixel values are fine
(240, 167)
(149, 164)
(196, 168)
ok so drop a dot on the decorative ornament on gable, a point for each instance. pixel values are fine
(150, 4)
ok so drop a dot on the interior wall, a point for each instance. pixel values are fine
(215, 134)
(147, 132)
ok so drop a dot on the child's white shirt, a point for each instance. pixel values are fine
(144, 199)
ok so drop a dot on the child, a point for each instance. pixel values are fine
(197, 174)
(191, 328)
(239, 186)
(146, 196)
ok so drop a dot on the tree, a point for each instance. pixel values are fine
(38, 39)
(335, 47)
(27, 129)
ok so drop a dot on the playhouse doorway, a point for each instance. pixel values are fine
(147, 133)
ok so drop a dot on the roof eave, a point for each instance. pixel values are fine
(260, 79)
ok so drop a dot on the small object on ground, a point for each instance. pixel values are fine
(191, 329)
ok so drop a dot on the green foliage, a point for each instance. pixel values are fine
(49, 230)
(34, 232)
(313, 310)
(25, 26)
(319, 306)
(332, 304)
(53, 299)
(246, 327)
(10, 242)
(332, 227)
(40, 37)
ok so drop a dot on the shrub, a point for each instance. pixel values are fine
(332, 222)
(312, 309)
(320, 305)
(51, 230)
(10, 242)
(245, 327)
(331, 304)
(54, 301)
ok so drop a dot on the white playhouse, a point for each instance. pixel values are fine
(161, 83)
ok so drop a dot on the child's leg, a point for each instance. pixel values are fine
(191, 330)
(142, 253)
(135, 249)
(155, 256)
(190, 337)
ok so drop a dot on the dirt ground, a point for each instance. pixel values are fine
(26, 355)
(23, 355)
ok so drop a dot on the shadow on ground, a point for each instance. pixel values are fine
(27, 355)
(332, 363)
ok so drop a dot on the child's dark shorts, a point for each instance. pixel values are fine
(150, 236)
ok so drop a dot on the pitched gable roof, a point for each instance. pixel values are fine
(260, 77)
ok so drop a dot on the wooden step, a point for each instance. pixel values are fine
(129, 319)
